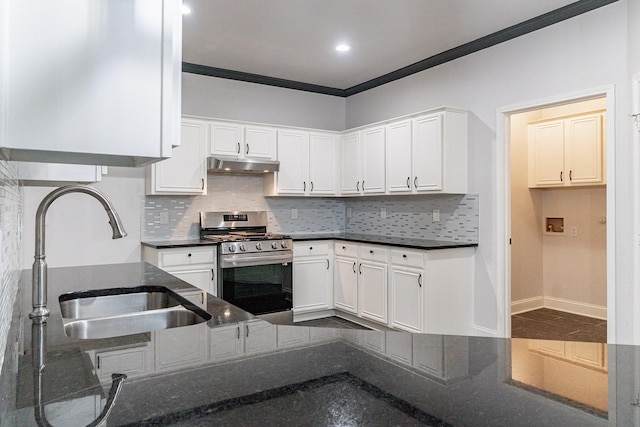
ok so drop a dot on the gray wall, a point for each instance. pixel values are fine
(234, 100)
(585, 52)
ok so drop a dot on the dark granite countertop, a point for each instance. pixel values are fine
(322, 377)
(351, 237)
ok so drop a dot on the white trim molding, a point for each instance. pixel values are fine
(528, 304)
(481, 331)
(503, 194)
(559, 304)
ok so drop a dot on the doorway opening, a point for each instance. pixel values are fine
(558, 219)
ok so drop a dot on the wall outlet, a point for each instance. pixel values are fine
(294, 213)
(574, 231)
(383, 213)
(164, 217)
(436, 215)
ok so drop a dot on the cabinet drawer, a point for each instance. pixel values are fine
(183, 257)
(310, 249)
(407, 258)
(373, 253)
(345, 249)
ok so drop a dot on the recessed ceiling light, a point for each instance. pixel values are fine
(186, 10)
(343, 47)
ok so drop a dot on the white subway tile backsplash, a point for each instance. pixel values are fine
(10, 250)
(406, 216)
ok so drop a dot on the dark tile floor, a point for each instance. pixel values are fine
(550, 324)
(331, 322)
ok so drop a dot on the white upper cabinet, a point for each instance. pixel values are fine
(242, 141)
(439, 152)
(57, 174)
(399, 168)
(323, 164)
(350, 163)
(373, 168)
(185, 173)
(567, 152)
(293, 154)
(308, 164)
(91, 82)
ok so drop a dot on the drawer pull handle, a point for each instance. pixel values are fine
(327, 264)
(358, 186)
(344, 247)
(213, 276)
(354, 267)
(188, 255)
(238, 332)
(420, 280)
(246, 329)
(247, 149)
(238, 148)
(311, 186)
(408, 182)
(304, 185)
(310, 248)
(360, 268)
(404, 255)
(371, 252)
(415, 182)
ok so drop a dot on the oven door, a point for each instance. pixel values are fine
(257, 283)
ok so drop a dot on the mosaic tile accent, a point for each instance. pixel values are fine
(237, 192)
(411, 216)
(407, 216)
(10, 250)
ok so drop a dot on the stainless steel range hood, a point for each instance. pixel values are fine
(220, 164)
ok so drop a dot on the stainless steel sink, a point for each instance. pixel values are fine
(81, 305)
(107, 313)
(132, 323)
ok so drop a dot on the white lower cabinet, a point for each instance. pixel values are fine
(448, 293)
(132, 361)
(443, 357)
(372, 290)
(194, 265)
(345, 285)
(234, 341)
(312, 277)
(406, 290)
(180, 347)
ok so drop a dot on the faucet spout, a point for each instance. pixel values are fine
(39, 297)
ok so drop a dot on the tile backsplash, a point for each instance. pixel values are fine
(10, 251)
(176, 217)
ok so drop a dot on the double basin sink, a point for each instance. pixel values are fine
(107, 313)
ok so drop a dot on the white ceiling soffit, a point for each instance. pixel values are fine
(291, 43)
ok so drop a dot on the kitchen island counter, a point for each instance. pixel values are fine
(349, 377)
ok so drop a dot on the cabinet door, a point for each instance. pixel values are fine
(259, 142)
(350, 164)
(185, 172)
(293, 154)
(448, 293)
(259, 337)
(427, 153)
(322, 164)
(201, 278)
(583, 139)
(345, 285)
(546, 149)
(179, 347)
(372, 288)
(226, 342)
(114, 100)
(225, 139)
(406, 307)
(311, 281)
(398, 147)
(373, 151)
(131, 361)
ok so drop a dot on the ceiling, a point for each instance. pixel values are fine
(294, 40)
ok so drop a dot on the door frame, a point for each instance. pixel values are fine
(503, 182)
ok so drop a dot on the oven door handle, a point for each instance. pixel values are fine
(231, 261)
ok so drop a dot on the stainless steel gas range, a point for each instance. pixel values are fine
(254, 266)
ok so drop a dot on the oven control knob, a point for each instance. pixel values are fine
(284, 244)
(259, 246)
(274, 245)
(232, 248)
(242, 248)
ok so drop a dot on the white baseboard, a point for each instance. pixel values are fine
(581, 308)
(574, 307)
(481, 331)
(528, 304)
